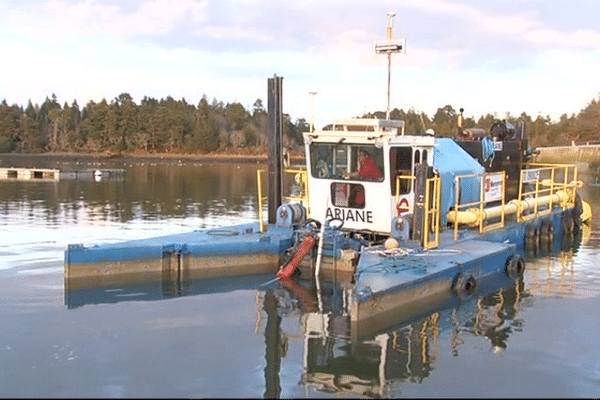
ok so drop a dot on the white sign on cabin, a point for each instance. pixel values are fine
(493, 186)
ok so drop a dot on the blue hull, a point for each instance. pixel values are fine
(390, 286)
(384, 287)
(229, 251)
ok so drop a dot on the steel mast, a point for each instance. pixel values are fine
(389, 46)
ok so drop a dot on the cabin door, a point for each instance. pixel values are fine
(402, 186)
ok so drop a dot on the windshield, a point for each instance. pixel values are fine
(346, 161)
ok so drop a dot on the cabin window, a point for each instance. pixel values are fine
(417, 157)
(401, 165)
(347, 194)
(346, 161)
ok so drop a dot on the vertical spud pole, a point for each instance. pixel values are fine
(275, 133)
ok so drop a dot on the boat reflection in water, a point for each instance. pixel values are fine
(381, 359)
(336, 360)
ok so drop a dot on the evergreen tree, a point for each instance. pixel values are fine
(49, 120)
(72, 121)
(445, 121)
(127, 125)
(588, 123)
(147, 125)
(167, 125)
(9, 127)
(32, 138)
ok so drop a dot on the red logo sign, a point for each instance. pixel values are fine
(402, 207)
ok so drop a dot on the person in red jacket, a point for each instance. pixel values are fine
(367, 169)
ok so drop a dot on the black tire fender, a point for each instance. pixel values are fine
(577, 210)
(531, 234)
(464, 285)
(568, 222)
(547, 231)
(515, 266)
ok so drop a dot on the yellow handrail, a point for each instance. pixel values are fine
(400, 178)
(545, 175)
(546, 188)
(260, 199)
(477, 209)
(432, 211)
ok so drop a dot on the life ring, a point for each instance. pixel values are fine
(515, 266)
(531, 235)
(546, 231)
(464, 285)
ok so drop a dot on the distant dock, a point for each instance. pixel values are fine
(585, 156)
(47, 174)
(576, 153)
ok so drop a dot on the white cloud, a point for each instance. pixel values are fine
(56, 19)
(550, 38)
(518, 26)
(465, 55)
(235, 33)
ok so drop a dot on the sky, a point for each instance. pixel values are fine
(486, 56)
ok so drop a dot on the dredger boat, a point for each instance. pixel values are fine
(397, 220)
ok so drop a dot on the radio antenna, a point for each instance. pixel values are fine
(389, 46)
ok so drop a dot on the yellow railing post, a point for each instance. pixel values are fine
(456, 208)
(426, 219)
(481, 202)
(432, 212)
(260, 200)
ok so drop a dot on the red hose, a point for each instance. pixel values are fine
(303, 249)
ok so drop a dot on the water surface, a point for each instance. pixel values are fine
(235, 338)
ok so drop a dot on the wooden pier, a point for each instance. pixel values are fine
(48, 174)
(30, 173)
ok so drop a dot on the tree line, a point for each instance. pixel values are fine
(153, 126)
(178, 127)
(542, 131)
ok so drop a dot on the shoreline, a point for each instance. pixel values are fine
(143, 158)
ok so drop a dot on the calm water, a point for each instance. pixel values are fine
(227, 338)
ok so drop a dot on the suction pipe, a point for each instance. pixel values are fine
(474, 215)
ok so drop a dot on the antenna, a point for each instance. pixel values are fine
(311, 118)
(389, 46)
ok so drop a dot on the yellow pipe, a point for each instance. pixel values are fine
(473, 216)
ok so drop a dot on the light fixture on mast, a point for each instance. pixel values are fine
(389, 46)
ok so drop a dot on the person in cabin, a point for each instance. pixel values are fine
(367, 169)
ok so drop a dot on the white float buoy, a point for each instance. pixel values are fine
(391, 243)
